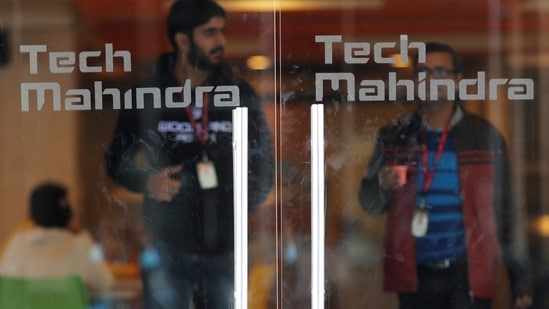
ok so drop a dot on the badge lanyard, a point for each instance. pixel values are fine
(420, 220)
(201, 135)
(428, 174)
(207, 176)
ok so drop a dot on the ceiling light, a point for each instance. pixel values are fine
(398, 62)
(259, 62)
(291, 5)
(296, 5)
(541, 225)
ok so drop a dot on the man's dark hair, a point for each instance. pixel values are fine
(432, 47)
(185, 15)
(45, 207)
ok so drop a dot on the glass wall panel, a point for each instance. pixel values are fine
(356, 58)
(99, 97)
(71, 69)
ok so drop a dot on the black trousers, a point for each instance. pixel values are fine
(446, 288)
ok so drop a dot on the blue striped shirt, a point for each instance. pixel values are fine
(445, 238)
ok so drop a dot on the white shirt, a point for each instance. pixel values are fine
(52, 252)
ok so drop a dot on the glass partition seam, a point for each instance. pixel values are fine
(277, 78)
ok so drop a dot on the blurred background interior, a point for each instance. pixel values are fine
(504, 38)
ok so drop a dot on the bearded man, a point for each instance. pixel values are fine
(182, 160)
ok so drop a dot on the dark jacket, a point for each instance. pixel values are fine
(149, 139)
(487, 196)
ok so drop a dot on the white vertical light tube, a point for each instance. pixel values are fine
(240, 167)
(318, 215)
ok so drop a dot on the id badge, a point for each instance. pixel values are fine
(207, 176)
(420, 222)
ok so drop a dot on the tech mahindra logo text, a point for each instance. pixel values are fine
(374, 90)
(40, 94)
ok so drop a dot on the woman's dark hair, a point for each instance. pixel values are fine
(46, 209)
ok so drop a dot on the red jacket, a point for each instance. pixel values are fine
(488, 204)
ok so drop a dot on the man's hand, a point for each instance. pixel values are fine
(523, 302)
(162, 186)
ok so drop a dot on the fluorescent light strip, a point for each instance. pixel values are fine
(240, 167)
(318, 215)
(293, 5)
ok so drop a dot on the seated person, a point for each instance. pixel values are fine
(53, 248)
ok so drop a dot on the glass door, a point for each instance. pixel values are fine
(101, 98)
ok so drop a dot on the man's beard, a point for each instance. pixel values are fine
(200, 60)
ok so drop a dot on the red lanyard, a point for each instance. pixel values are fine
(201, 135)
(428, 174)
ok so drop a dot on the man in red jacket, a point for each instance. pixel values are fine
(452, 218)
